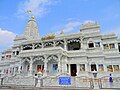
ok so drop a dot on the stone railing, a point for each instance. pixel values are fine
(8, 61)
(81, 82)
(19, 80)
(62, 80)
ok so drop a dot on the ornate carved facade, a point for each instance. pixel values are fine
(77, 54)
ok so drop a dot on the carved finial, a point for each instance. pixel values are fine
(33, 17)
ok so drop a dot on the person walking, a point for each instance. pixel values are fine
(111, 81)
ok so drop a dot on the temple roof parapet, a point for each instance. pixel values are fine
(7, 51)
(110, 35)
(89, 24)
(22, 37)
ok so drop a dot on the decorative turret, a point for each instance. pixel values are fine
(90, 27)
(31, 30)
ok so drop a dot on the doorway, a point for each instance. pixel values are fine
(40, 68)
(73, 69)
(93, 67)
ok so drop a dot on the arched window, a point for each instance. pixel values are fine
(48, 44)
(90, 44)
(38, 45)
(27, 47)
(73, 44)
(60, 43)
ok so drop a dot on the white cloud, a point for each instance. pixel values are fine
(38, 7)
(6, 38)
(70, 26)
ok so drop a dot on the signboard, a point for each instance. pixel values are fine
(64, 81)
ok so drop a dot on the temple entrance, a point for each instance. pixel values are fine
(40, 68)
(73, 69)
(93, 67)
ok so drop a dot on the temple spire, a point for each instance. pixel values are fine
(31, 29)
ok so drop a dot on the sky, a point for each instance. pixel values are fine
(52, 16)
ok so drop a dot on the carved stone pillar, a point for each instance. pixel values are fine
(42, 45)
(15, 53)
(105, 67)
(59, 64)
(19, 67)
(33, 46)
(19, 70)
(45, 68)
(14, 70)
(30, 69)
(65, 44)
(116, 46)
(101, 45)
(81, 42)
(78, 69)
(69, 69)
(59, 67)
(9, 71)
(97, 67)
(54, 44)
(21, 48)
(63, 64)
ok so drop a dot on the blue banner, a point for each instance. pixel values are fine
(64, 81)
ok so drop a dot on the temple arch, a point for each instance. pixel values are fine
(73, 44)
(52, 64)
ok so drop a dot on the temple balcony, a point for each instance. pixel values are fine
(42, 51)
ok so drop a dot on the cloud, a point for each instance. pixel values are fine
(73, 19)
(6, 38)
(38, 7)
(70, 26)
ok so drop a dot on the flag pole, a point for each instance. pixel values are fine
(29, 14)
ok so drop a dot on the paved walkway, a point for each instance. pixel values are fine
(47, 88)
(50, 88)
